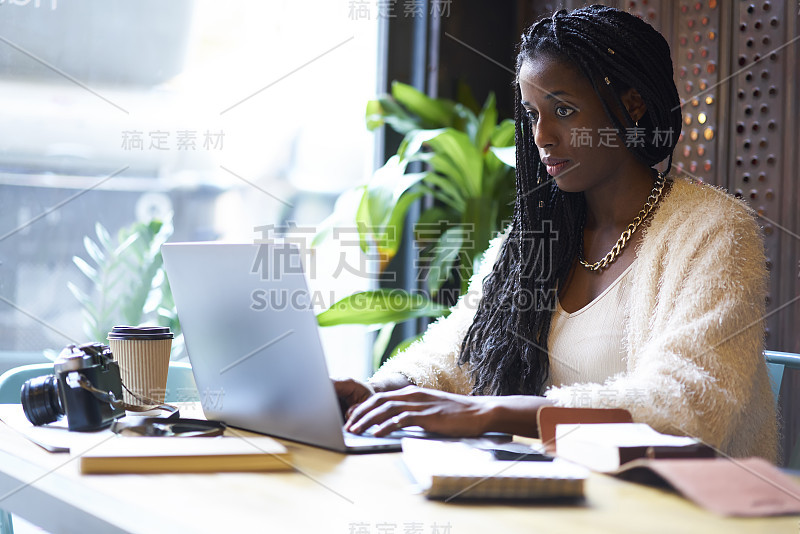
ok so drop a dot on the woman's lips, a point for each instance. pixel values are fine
(555, 166)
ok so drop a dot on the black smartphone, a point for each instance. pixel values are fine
(518, 452)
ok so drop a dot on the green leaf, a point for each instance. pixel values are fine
(386, 110)
(436, 113)
(504, 133)
(159, 277)
(380, 306)
(388, 180)
(85, 268)
(383, 203)
(465, 120)
(456, 205)
(445, 185)
(167, 313)
(103, 237)
(446, 252)
(412, 143)
(363, 222)
(492, 168)
(342, 216)
(507, 155)
(481, 214)
(443, 164)
(374, 115)
(154, 226)
(381, 343)
(487, 121)
(152, 302)
(431, 224)
(456, 147)
(125, 244)
(93, 250)
(82, 297)
(393, 231)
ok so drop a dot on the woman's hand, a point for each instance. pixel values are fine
(351, 393)
(435, 411)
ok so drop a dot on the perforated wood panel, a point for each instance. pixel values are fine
(697, 60)
(757, 104)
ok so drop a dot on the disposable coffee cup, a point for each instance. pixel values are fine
(143, 356)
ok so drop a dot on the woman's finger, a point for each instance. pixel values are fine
(373, 402)
(375, 415)
(388, 410)
(396, 422)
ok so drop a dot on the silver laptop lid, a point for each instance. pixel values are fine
(252, 338)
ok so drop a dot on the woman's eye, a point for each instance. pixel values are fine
(533, 116)
(563, 111)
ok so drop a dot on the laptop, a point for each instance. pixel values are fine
(253, 342)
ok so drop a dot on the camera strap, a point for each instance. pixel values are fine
(172, 425)
(110, 398)
(168, 427)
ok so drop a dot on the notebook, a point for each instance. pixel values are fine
(455, 471)
(253, 342)
(122, 454)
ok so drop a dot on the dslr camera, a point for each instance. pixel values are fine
(85, 381)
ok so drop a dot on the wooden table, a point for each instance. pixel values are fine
(328, 493)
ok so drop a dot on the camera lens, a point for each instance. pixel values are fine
(40, 400)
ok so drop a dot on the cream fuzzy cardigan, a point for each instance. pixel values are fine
(694, 338)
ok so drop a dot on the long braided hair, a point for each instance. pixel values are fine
(506, 345)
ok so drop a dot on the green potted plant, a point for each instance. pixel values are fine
(128, 279)
(468, 160)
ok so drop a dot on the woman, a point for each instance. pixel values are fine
(664, 320)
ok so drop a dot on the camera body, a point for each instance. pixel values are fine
(47, 398)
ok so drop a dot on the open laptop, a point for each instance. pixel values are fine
(251, 335)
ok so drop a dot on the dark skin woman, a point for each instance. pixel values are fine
(592, 189)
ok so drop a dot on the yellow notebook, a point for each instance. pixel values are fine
(122, 454)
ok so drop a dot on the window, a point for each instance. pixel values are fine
(226, 116)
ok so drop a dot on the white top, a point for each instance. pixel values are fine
(587, 345)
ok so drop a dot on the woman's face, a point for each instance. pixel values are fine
(575, 138)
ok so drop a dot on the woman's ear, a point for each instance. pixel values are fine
(634, 103)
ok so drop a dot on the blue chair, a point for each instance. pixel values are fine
(180, 382)
(777, 362)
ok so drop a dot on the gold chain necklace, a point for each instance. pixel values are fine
(652, 200)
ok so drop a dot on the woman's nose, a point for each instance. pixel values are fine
(544, 134)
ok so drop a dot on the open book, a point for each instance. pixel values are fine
(121, 454)
(452, 470)
(606, 447)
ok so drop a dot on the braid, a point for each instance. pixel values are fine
(506, 345)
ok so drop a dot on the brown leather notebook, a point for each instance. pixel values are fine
(744, 487)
